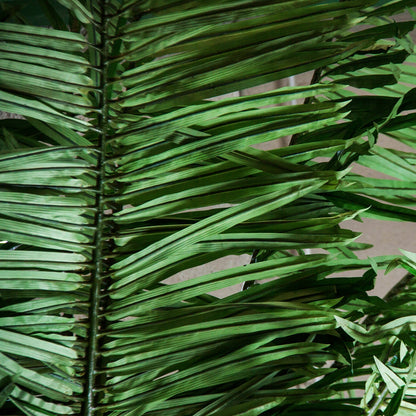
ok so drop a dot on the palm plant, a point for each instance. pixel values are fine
(122, 171)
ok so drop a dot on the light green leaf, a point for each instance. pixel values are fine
(392, 380)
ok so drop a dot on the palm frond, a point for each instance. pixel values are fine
(125, 172)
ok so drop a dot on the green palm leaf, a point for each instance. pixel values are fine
(124, 171)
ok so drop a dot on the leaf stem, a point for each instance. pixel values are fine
(377, 404)
(98, 272)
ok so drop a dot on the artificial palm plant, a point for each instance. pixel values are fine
(122, 171)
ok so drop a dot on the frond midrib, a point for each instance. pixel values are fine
(99, 258)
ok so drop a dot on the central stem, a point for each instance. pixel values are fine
(100, 59)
